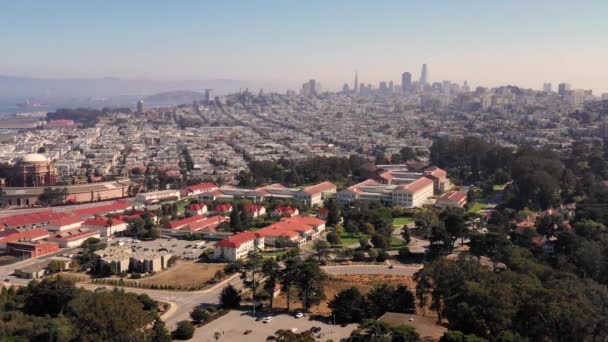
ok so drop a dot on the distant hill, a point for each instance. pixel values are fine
(173, 97)
(24, 87)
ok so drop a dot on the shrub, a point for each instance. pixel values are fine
(184, 331)
(359, 256)
(382, 256)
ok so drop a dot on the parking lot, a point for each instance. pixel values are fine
(233, 326)
(187, 250)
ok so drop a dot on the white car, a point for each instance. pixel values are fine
(267, 319)
(293, 330)
(299, 315)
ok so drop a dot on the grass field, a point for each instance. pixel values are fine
(397, 243)
(477, 206)
(181, 206)
(348, 239)
(500, 187)
(185, 274)
(274, 254)
(401, 221)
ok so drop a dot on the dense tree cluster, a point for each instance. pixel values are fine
(351, 306)
(526, 300)
(55, 310)
(299, 172)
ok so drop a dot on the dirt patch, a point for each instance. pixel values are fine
(184, 275)
(337, 283)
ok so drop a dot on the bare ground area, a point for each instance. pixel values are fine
(337, 283)
(184, 274)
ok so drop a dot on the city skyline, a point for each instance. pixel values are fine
(517, 43)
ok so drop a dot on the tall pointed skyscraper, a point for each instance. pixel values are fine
(356, 87)
(424, 76)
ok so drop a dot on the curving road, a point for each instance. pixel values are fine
(183, 302)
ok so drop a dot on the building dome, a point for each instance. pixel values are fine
(32, 158)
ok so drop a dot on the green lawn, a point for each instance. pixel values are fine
(274, 254)
(397, 243)
(402, 221)
(500, 187)
(181, 206)
(477, 206)
(348, 239)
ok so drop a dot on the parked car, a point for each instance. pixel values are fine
(299, 315)
(247, 332)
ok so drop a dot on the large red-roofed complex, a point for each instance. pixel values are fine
(294, 230)
(396, 187)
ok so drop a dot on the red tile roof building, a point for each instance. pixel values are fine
(65, 223)
(237, 246)
(26, 235)
(198, 189)
(74, 238)
(452, 199)
(105, 226)
(288, 211)
(31, 249)
(255, 210)
(31, 220)
(223, 208)
(101, 210)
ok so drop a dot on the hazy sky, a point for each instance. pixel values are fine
(486, 42)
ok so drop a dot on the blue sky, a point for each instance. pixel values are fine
(485, 42)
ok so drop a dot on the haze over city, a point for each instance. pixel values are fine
(278, 44)
(303, 171)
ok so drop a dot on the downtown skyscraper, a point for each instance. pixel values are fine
(406, 82)
(424, 76)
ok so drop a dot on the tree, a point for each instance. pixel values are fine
(235, 220)
(109, 316)
(368, 229)
(51, 296)
(183, 331)
(321, 247)
(364, 242)
(380, 241)
(230, 298)
(271, 270)
(372, 330)
(404, 300)
(406, 235)
(380, 300)
(289, 276)
(284, 335)
(407, 153)
(56, 266)
(251, 274)
(453, 220)
(333, 212)
(311, 282)
(199, 315)
(52, 196)
(348, 306)
(404, 253)
(382, 256)
(333, 239)
(159, 332)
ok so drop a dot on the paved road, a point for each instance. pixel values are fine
(182, 302)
